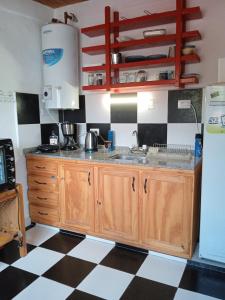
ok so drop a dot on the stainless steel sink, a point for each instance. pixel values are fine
(130, 157)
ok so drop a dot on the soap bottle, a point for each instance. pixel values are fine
(53, 139)
(111, 138)
(198, 145)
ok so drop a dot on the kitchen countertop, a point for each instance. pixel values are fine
(103, 156)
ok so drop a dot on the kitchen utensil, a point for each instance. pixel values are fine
(134, 58)
(154, 32)
(163, 75)
(69, 131)
(91, 142)
(47, 148)
(116, 58)
(91, 79)
(172, 51)
(141, 76)
(156, 56)
(124, 39)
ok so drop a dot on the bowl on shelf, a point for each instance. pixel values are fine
(154, 32)
(188, 50)
(124, 39)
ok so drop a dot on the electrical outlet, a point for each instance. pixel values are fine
(95, 130)
(184, 104)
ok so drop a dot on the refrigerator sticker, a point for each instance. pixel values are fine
(52, 56)
(216, 111)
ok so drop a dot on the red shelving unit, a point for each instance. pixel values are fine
(178, 16)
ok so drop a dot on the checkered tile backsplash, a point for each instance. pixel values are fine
(155, 115)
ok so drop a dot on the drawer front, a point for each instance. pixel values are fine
(42, 183)
(44, 199)
(45, 215)
(37, 166)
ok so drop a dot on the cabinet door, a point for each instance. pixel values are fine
(166, 212)
(77, 198)
(118, 204)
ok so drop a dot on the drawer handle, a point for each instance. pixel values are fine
(39, 167)
(133, 186)
(42, 198)
(38, 182)
(145, 185)
(43, 214)
(89, 178)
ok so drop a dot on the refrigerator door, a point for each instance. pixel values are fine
(212, 224)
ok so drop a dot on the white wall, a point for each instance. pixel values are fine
(20, 61)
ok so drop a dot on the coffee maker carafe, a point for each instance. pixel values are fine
(69, 131)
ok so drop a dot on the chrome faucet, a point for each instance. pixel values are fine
(135, 133)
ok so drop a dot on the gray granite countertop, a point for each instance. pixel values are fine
(103, 156)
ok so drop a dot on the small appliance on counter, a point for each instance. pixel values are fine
(7, 165)
(48, 148)
(91, 142)
(69, 131)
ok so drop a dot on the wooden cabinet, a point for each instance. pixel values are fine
(43, 190)
(166, 212)
(156, 209)
(77, 197)
(118, 203)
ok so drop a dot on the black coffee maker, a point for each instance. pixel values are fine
(69, 131)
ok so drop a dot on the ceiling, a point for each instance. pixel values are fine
(58, 3)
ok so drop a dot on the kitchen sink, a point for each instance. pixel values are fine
(129, 157)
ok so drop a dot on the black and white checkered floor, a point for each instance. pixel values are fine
(61, 266)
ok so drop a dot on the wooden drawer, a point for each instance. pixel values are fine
(44, 215)
(43, 166)
(42, 183)
(44, 199)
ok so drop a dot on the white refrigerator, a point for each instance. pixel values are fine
(212, 222)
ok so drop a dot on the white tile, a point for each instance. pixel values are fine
(44, 288)
(39, 234)
(123, 134)
(3, 266)
(106, 283)
(91, 250)
(81, 133)
(29, 135)
(175, 258)
(100, 239)
(162, 270)
(182, 133)
(38, 261)
(189, 295)
(97, 108)
(152, 107)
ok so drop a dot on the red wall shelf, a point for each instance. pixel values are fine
(178, 16)
(144, 21)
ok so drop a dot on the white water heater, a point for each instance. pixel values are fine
(60, 66)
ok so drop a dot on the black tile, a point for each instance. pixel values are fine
(176, 115)
(131, 248)
(78, 295)
(13, 281)
(124, 112)
(27, 108)
(124, 260)
(207, 282)
(76, 115)
(10, 252)
(144, 289)
(62, 242)
(70, 271)
(103, 130)
(46, 131)
(149, 134)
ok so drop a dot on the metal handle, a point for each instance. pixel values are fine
(38, 182)
(42, 198)
(89, 178)
(43, 214)
(145, 185)
(38, 167)
(133, 186)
